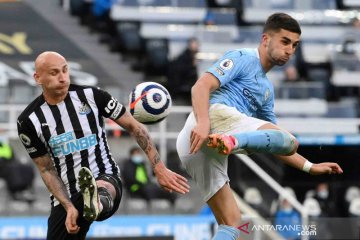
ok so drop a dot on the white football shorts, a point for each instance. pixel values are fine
(207, 167)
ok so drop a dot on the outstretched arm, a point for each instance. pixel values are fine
(200, 95)
(169, 180)
(299, 162)
(57, 188)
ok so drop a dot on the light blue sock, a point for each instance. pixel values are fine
(226, 232)
(266, 141)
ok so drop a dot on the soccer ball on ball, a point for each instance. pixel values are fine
(150, 102)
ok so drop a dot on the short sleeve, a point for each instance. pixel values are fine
(229, 66)
(108, 106)
(30, 139)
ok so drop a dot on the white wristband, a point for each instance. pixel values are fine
(307, 166)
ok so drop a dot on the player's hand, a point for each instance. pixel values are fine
(325, 168)
(71, 218)
(169, 180)
(199, 135)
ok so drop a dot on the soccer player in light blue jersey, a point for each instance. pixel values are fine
(233, 102)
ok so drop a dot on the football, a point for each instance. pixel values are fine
(149, 102)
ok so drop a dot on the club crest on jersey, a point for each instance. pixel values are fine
(226, 64)
(84, 109)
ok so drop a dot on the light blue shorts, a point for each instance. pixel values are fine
(207, 167)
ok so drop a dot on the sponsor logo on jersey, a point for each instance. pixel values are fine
(84, 109)
(251, 99)
(226, 64)
(67, 143)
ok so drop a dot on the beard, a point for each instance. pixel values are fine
(278, 61)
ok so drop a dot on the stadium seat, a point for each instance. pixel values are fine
(351, 193)
(248, 34)
(221, 17)
(346, 108)
(354, 208)
(21, 93)
(184, 206)
(156, 57)
(160, 206)
(18, 208)
(41, 205)
(318, 4)
(129, 40)
(4, 99)
(129, 3)
(290, 191)
(191, 3)
(136, 206)
(77, 7)
(155, 3)
(312, 206)
(301, 90)
(310, 193)
(3, 198)
(116, 92)
(4, 93)
(354, 213)
(285, 4)
(253, 196)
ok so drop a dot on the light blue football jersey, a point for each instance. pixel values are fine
(243, 84)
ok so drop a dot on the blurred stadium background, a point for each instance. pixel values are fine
(118, 44)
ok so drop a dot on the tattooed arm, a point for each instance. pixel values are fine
(167, 179)
(142, 137)
(57, 188)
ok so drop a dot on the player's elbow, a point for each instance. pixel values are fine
(198, 86)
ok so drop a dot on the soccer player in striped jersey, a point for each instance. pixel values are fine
(233, 101)
(63, 132)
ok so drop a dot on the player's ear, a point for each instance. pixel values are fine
(265, 37)
(37, 78)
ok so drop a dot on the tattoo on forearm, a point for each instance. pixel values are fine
(55, 184)
(156, 160)
(143, 139)
(145, 142)
(52, 180)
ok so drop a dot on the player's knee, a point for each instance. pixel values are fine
(110, 188)
(293, 146)
(110, 194)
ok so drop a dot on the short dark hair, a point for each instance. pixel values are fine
(134, 149)
(278, 21)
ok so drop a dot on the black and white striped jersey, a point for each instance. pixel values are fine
(72, 132)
